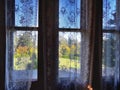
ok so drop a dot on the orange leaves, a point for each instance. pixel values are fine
(22, 50)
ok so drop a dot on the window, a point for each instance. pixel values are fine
(69, 38)
(69, 55)
(73, 44)
(109, 37)
(22, 43)
(110, 44)
(77, 28)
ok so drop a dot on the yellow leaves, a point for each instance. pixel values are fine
(67, 49)
(24, 56)
(64, 50)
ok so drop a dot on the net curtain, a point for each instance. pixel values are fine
(20, 44)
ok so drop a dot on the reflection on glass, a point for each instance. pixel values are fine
(109, 14)
(69, 13)
(26, 13)
(69, 54)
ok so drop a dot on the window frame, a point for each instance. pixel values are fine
(11, 27)
(3, 44)
(67, 30)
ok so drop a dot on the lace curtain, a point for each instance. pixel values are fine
(21, 63)
(69, 60)
(74, 47)
(111, 45)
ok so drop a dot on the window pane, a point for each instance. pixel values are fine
(26, 13)
(109, 58)
(25, 50)
(109, 14)
(69, 55)
(23, 55)
(69, 13)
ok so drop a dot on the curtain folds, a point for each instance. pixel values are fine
(93, 41)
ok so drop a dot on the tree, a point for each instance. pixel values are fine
(25, 39)
(25, 51)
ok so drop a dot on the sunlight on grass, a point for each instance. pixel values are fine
(67, 64)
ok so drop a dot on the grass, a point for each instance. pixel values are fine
(65, 63)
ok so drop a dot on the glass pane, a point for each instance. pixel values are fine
(69, 55)
(23, 55)
(108, 62)
(22, 59)
(26, 13)
(69, 13)
(109, 14)
(25, 50)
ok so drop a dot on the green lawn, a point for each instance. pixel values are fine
(65, 63)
